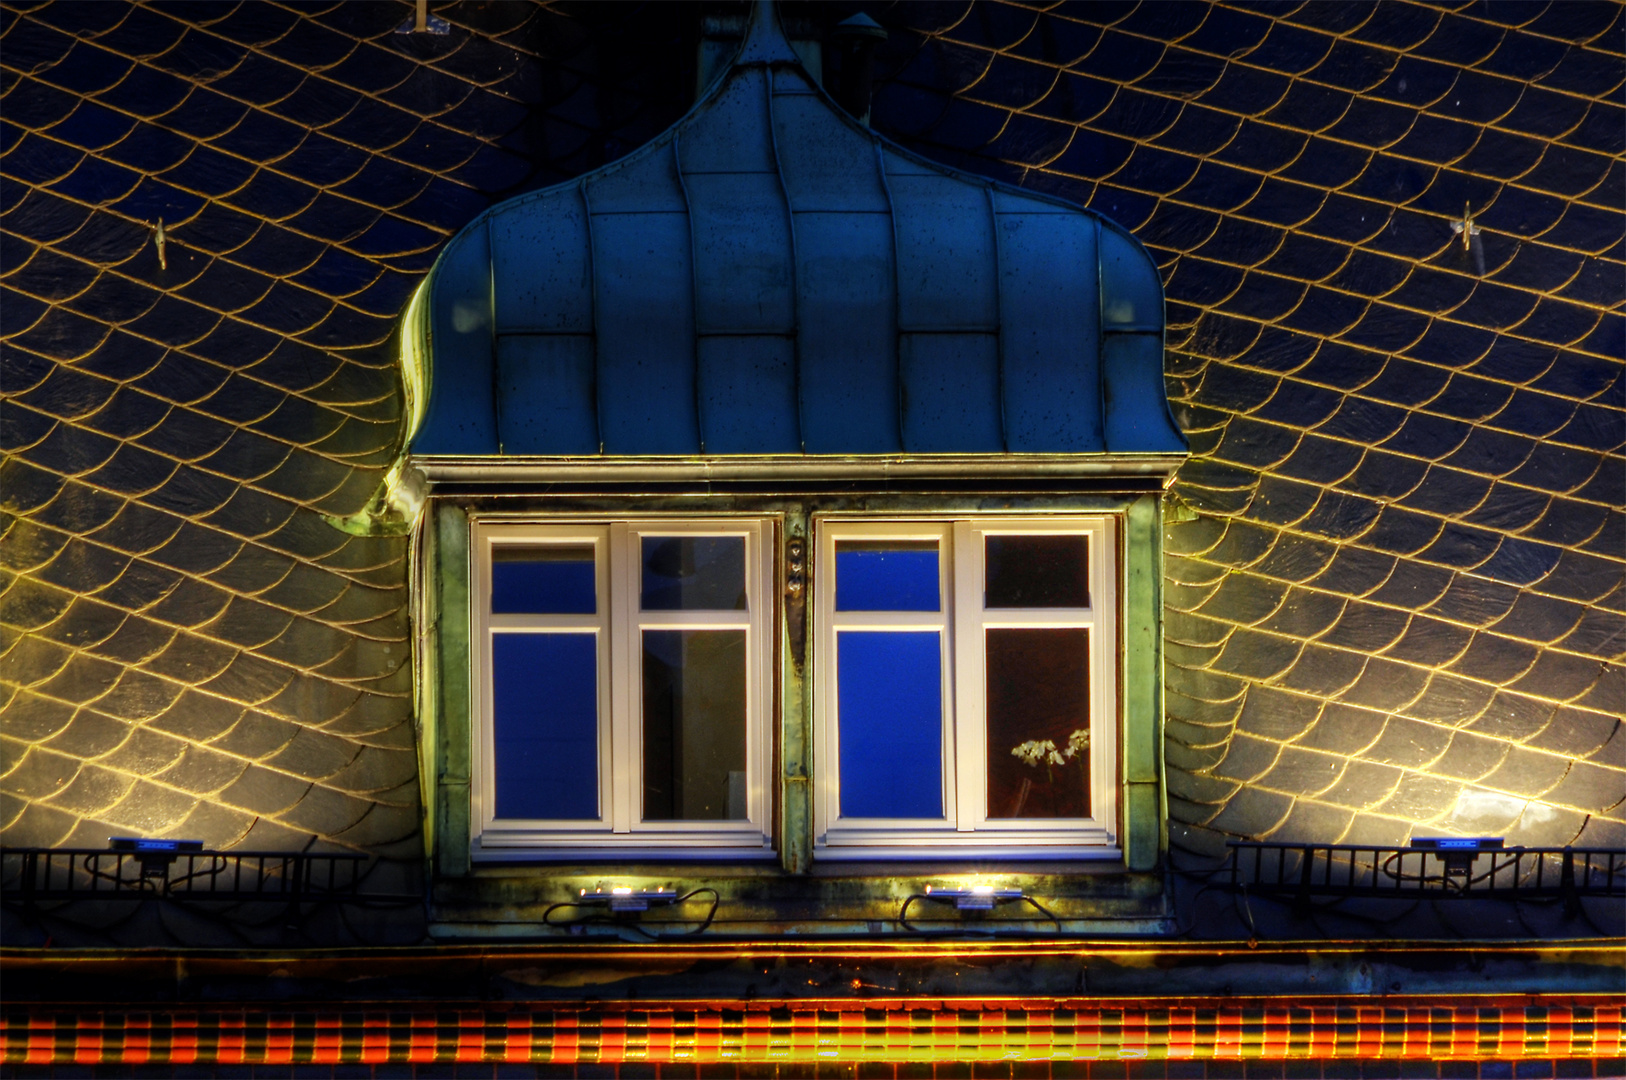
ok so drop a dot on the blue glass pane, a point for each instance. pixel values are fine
(886, 575)
(543, 581)
(694, 573)
(545, 691)
(890, 695)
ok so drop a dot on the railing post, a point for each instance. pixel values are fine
(1301, 902)
(1566, 883)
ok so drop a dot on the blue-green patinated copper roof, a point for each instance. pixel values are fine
(770, 277)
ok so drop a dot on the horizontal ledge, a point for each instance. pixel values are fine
(512, 468)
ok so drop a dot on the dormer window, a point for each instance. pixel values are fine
(967, 687)
(621, 676)
(794, 504)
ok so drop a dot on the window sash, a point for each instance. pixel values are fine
(619, 626)
(964, 620)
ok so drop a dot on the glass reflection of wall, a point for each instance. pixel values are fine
(1038, 704)
(545, 685)
(694, 682)
(889, 684)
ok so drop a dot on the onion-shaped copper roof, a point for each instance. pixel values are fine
(770, 277)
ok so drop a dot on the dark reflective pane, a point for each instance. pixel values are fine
(886, 575)
(545, 691)
(1038, 723)
(1037, 572)
(551, 580)
(694, 725)
(694, 573)
(890, 695)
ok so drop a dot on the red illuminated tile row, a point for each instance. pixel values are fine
(768, 1034)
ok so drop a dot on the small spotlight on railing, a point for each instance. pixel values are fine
(156, 855)
(973, 897)
(626, 899)
(1457, 852)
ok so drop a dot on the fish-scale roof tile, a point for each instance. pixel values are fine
(265, 82)
(1383, 327)
(1421, 798)
(1588, 787)
(1304, 613)
(45, 218)
(1566, 171)
(1321, 460)
(1367, 273)
(1599, 130)
(1546, 114)
(1386, 684)
(63, 448)
(92, 127)
(1610, 539)
(1564, 470)
(78, 508)
(1354, 571)
(1463, 547)
(83, 678)
(48, 276)
(1265, 297)
(94, 180)
(1337, 365)
(1402, 532)
(1365, 785)
(288, 309)
(1579, 23)
(1430, 642)
(1577, 70)
(1568, 523)
(253, 135)
(248, 456)
(1408, 744)
(1451, 699)
(1495, 659)
(38, 159)
(1196, 281)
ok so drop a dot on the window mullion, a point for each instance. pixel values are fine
(965, 713)
(620, 769)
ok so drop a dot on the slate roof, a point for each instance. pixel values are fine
(1396, 600)
(1399, 608)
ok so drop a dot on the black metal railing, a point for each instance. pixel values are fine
(29, 875)
(1427, 872)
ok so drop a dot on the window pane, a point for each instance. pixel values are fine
(552, 580)
(694, 725)
(1037, 572)
(1038, 723)
(890, 697)
(694, 573)
(886, 575)
(545, 691)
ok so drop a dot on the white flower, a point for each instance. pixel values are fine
(1034, 751)
(1078, 742)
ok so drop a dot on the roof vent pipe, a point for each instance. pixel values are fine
(855, 40)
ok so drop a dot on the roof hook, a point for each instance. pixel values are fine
(1472, 246)
(158, 240)
(422, 22)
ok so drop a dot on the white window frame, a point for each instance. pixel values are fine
(965, 830)
(618, 626)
